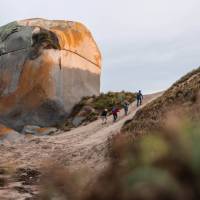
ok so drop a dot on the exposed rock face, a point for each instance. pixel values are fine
(36, 130)
(9, 135)
(46, 67)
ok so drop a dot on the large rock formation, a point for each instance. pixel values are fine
(46, 67)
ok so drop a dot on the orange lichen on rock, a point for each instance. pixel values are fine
(46, 67)
(8, 135)
(35, 85)
(72, 36)
(4, 130)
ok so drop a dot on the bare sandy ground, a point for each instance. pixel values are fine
(81, 148)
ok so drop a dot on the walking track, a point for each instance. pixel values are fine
(80, 148)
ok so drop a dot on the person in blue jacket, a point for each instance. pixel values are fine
(139, 97)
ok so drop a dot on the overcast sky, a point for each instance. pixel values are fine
(146, 44)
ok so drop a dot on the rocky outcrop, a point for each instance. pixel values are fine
(36, 130)
(46, 67)
(8, 135)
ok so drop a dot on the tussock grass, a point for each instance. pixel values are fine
(183, 94)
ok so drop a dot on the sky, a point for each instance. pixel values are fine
(145, 44)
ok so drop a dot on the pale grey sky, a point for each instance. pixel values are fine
(146, 44)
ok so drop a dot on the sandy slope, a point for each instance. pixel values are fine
(81, 148)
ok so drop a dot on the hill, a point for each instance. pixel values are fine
(165, 163)
(182, 97)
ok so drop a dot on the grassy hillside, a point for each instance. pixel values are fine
(180, 97)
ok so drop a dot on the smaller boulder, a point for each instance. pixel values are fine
(9, 135)
(77, 121)
(83, 115)
(86, 110)
(39, 131)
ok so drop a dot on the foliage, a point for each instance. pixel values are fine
(91, 107)
(105, 101)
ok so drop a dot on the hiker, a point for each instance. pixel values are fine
(104, 116)
(114, 113)
(139, 97)
(125, 106)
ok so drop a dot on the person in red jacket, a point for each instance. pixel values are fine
(114, 113)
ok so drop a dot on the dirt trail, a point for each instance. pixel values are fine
(83, 146)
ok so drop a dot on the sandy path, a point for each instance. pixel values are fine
(82, 147)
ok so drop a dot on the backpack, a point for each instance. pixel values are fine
(113, 110)
(139, 95)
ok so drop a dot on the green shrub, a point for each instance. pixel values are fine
(98, 104)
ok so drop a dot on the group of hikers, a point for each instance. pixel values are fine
(116, 110)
